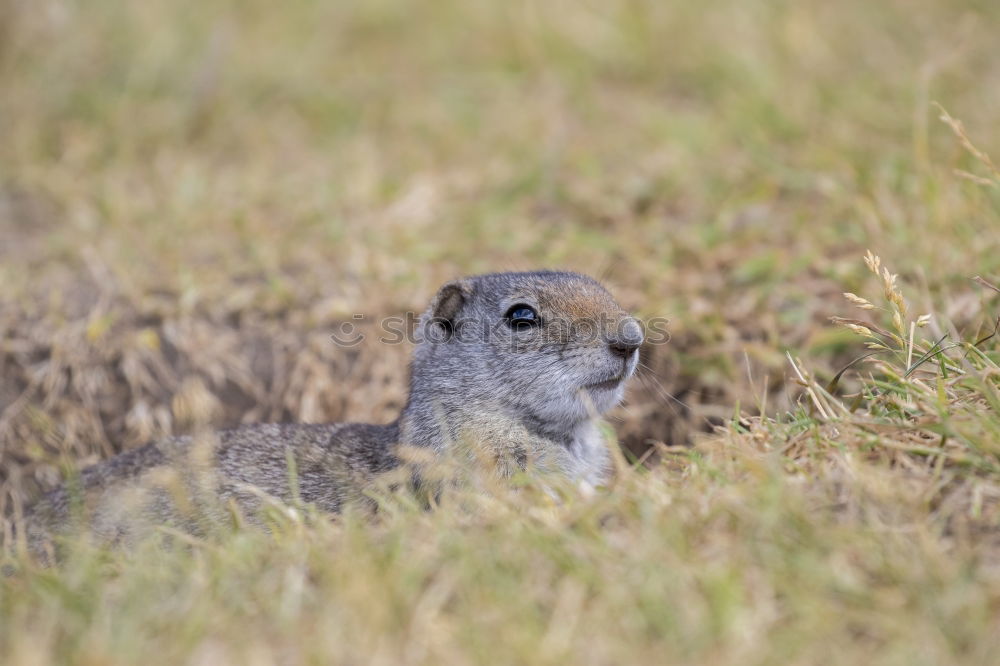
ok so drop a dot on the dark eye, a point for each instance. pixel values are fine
(522, 316)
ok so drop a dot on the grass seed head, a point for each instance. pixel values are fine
(862, 303)
(872, 261)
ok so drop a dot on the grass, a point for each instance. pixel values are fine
(194, 195)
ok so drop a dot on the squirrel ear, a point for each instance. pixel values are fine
(448, 304)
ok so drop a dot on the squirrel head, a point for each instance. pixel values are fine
(553, 347)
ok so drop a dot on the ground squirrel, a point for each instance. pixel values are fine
(523, 364)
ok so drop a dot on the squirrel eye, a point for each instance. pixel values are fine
(521, 316)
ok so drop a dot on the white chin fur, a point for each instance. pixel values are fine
(606, 399)
(597, 401)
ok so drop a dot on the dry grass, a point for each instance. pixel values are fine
(194, 195)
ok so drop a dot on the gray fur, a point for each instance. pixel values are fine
(477, 386)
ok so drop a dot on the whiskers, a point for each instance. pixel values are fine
(650, 379)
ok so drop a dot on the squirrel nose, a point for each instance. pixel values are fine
(626, 339)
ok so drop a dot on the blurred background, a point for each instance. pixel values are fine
(195, 194)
